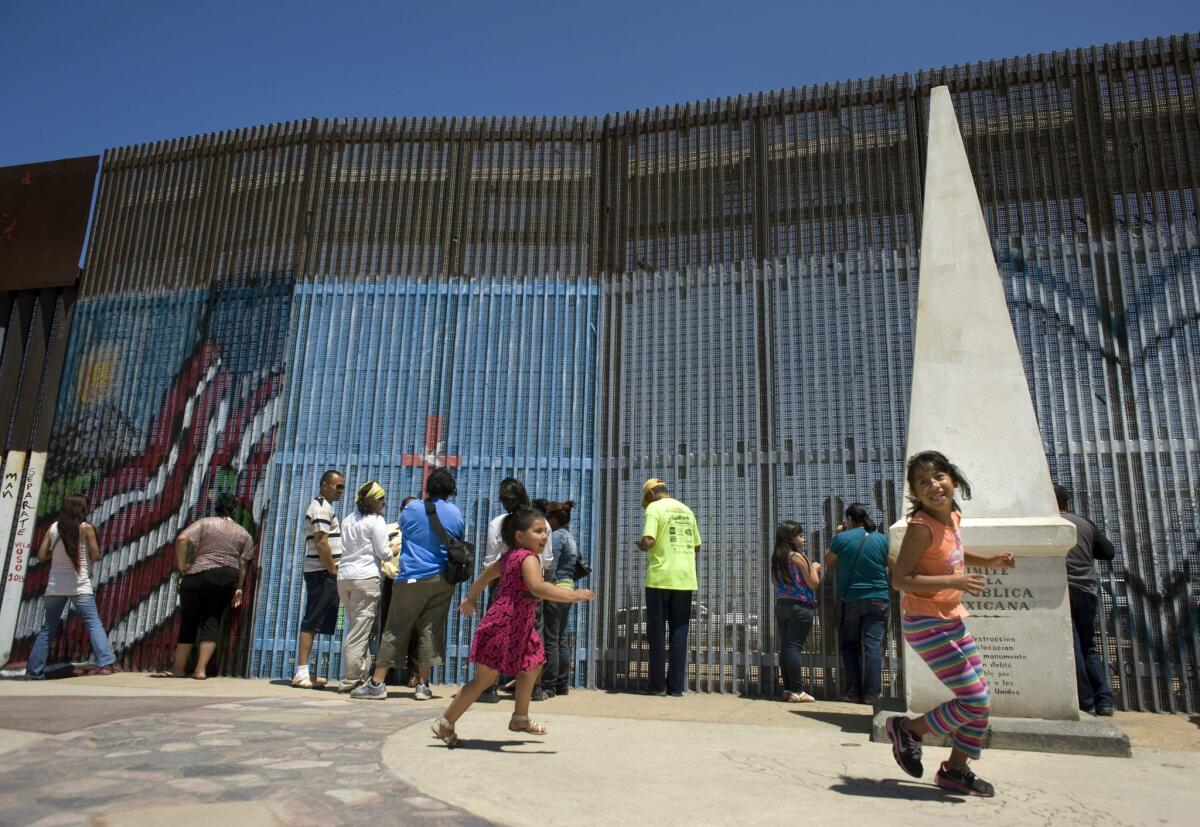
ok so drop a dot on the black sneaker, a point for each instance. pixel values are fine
(656, 693)
(963, 781)
(906, 747)
(538, 694)
(561, 690)
(549, 692)
(490, 696)
(1104, 711)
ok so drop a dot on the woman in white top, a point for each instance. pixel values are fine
(70, 581)
(364, 547)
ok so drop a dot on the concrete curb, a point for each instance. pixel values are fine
(1086, 737)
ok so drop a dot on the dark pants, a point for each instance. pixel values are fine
(793, 622)
(668, 609)
(1090, 678)
(560, 660)
(203, 599)
(861, 639)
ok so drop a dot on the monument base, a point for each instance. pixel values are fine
(1087, 737)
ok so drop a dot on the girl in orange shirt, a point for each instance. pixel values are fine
(930, 572)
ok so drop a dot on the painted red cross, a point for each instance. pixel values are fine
(435, 452)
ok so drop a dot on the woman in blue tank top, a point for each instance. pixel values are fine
(795, 578)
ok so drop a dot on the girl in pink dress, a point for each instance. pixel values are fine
(506, 641)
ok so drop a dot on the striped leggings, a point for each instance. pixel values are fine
(950, 651)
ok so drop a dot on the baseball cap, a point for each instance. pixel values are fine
(649, 486)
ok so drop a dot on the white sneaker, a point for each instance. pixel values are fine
(423, 693)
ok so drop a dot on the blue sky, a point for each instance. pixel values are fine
(83, 75)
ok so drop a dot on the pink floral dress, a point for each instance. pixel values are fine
(506, 639)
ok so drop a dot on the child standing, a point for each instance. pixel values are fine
(795, 578)
(930, 572)
(506, 640)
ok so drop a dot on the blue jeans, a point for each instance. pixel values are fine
(861, 639)
(1090, 678)
(794, 621)
(671, 608)
(85, 606)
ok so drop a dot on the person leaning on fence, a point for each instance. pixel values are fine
(857, 560)
(70, 581)
(796, 579)
(672, 539)
(560, 659)
(220, 551)
(364, 547)
(1091, 680)
(421, 594)
(322, 550)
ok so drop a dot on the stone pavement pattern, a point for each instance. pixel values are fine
(237, 752)
(307, 759)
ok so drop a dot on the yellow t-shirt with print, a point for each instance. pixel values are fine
(672, 558)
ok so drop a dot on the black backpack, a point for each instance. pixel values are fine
(460, 555)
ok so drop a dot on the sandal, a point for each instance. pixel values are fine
(521, 723)
(165, 673)
(443, 730)
(309, 683)
(799, 698)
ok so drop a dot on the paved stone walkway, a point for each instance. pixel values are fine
(303, 760)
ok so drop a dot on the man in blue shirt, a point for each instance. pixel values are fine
(420, 596)
(857, 558)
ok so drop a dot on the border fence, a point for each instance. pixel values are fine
(720, 294)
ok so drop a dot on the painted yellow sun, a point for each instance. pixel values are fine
(98, 375)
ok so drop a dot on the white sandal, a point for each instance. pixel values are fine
(443, 730)
(800, 698)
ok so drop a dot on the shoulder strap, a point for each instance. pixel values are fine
(853, 566)
(436, 522)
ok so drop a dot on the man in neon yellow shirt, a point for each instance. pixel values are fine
(672, 538)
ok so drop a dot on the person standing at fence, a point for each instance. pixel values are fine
(857, 560)
(506, 640)
(560, 657)
(1091, 680)
(930, 570)
(672, 539)
(796, 579)
(421, 595)
(212, 555)
(70, 581)
(364, 547)
(322, 550)
(512, 496)
(387, 578)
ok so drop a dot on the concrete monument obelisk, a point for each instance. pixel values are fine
(970, 401)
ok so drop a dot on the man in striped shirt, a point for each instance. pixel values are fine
(322, 551)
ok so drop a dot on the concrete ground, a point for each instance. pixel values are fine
(130, 750)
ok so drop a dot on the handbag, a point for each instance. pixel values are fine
(460, 555)
(849, 579)
(581, 570)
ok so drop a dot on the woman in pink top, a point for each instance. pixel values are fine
(930, 571)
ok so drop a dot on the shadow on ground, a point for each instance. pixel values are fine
(846, 721)
(498, 746)
(891, 788)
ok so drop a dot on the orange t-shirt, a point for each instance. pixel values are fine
(943, 555)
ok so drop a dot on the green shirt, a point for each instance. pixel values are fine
(672, 558)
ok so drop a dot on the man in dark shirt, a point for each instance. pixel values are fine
(1090, 678)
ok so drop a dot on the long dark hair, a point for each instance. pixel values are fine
(785, 547)
(71, 516)
(858, 514)
(519, 520)
(938, 462)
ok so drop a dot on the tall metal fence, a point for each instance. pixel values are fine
(720, 294)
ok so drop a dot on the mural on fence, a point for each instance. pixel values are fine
(167, 400)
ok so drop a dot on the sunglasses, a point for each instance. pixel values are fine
(341, 487)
